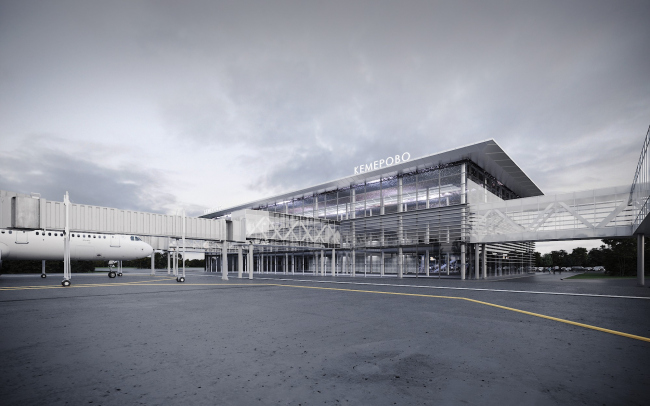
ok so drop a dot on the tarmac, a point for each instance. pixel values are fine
(305, 340)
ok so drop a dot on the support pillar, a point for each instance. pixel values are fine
(240, 262)
(168, 262)
(354, 263)
(476, 261)
(448, 264)
(224, 261)
(484, 260)
(462, 261)
(251, 262)
(286, 263)
(427, 258)
(640, 245)
(400, 264)
(382, 266)
(322, 262)
(153, 263)
(333, 262)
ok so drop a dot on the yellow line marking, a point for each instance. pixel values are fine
(604, 330)
(588, 326)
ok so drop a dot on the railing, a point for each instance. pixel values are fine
(640, 190)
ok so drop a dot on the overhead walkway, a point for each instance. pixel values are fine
(592, 214)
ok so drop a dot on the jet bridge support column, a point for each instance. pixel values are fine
(333, 262)
(168, 262)
(640, 245)
(67, 274)
(382, 266)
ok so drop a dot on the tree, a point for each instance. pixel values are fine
(560, 258)
(619, 257)
(578, 257)
(595, 257)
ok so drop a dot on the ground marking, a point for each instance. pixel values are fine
(588, 326)
(456, 288)
(604, 330)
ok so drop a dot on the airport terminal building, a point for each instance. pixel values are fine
(393, 216)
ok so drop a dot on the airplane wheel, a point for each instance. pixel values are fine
(65, 283)
(180, 279)
(43, 275)
(111, 274)
(119, 274)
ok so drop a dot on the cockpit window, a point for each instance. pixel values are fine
(138, 239)
(131, 238)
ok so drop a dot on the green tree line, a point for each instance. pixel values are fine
(616, 255)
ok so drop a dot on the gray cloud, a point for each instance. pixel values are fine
(301, 92)
(51, 173)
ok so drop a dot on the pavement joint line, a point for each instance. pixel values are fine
(457, 288)
(588, 326)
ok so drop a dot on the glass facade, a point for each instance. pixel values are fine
(415, 221)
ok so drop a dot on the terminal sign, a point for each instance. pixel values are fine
(390, 161)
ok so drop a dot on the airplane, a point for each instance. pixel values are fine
(48, 245)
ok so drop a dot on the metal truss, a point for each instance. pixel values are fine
(599, 213)
(289, 229)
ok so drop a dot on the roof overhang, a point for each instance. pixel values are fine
(486, 154)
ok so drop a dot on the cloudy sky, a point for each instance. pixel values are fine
(160, 105)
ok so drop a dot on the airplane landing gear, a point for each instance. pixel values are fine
(43, 275)
(66, 282)
(111, 274)
(180, 279)
(119, 274)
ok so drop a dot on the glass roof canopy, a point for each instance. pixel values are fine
(487, 154)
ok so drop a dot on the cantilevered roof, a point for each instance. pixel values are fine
(486, 154)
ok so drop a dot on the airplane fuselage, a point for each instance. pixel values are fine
(48, 245)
